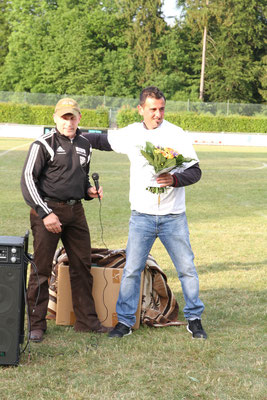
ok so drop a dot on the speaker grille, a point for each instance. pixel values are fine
(10, 312)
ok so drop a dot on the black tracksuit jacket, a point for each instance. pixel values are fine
(58, 167)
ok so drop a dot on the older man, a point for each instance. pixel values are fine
(54, 180)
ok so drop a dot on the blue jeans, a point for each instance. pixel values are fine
(172, 230)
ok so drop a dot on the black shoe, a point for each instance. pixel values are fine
(120, 330)
(195, 327)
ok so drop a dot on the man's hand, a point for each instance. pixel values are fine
(52, 223)
(165, 180)
(92, 192)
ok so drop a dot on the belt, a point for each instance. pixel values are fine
(70, 202)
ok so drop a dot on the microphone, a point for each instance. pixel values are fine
(95, 177)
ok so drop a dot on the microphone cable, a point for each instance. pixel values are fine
(95, 177)
(28, 259)
(104, 270)
(101, 225)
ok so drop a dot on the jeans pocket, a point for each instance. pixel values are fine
(134, 212)
(176, 216)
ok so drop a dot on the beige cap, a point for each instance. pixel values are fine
(67, 106)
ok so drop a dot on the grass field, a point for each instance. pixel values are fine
(227, 214)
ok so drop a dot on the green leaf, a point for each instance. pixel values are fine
(170, 163)
(150, 148)
(148, 157)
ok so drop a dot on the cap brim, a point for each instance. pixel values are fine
(67, 110)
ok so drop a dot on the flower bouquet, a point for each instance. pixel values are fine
(162, 160)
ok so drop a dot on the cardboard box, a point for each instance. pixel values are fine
(106, 288)
(64, 309)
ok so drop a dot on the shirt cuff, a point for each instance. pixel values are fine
(175, 181)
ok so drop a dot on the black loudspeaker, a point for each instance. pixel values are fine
(13, 272)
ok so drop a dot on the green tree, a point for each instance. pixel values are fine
(263, 77)
(59, 46)
(144, 31)
(4, 31)
(235, 32)
(179, 74)
(234, 59)
(117, 47)
(18, 66)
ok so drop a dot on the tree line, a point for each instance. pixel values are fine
(116, 47)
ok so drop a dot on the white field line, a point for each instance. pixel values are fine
(13, 149)
(264, 165)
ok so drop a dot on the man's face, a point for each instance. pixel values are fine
(153, 112)
(67, 124)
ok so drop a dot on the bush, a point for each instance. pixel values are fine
(43, 115)
(208, 123)
(126, 116)
(200, 122)
(95, 118)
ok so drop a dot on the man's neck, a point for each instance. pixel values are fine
(65, 136)
(144, 125)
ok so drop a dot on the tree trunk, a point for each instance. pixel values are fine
(202, 75)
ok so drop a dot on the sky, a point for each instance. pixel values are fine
(170, 10)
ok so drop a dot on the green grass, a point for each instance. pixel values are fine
(227, 214)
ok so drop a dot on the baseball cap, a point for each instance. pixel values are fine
(67, 106)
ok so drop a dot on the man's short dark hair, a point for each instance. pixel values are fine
(151, 91)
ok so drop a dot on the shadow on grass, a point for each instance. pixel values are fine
(231, 310)
(218, 267)
(203, 269)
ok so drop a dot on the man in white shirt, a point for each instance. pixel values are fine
(153, 217)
